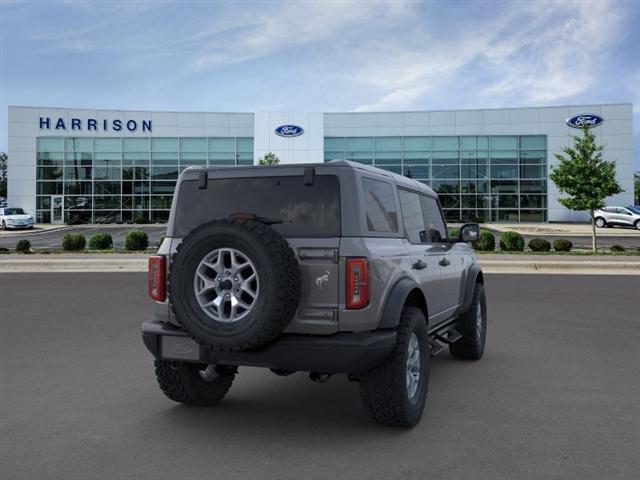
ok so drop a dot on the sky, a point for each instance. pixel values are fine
(318, 55)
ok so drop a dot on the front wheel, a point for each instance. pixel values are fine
(600, 223)
(194, 384)
(637, 224)
(395, 391)
(4, 225)
(472, 325)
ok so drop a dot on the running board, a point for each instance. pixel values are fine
(446, 335)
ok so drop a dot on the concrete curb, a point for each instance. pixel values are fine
(139, 264)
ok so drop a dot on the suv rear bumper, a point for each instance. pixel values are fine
(338, 353)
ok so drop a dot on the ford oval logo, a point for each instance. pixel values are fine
(583, 120)
(289, 131)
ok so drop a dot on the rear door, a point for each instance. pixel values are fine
(443, 252)
(424, 265)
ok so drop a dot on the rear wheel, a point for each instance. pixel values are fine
(600, 222)
(194, 384)
(473, 327)
(637, 224)
(395, 391)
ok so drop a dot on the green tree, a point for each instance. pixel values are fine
(3, 174)
(585, 177)
(636, 187)
(269, 159)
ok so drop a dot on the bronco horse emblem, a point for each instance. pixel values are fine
(322, 280)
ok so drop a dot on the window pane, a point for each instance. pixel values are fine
(164, 144)
(245, 144)
(163, 187)
(446, 186)
(416, 157)
(107, 188)
(359, 143)
(49, 173)
(78, 144)
(468, 143)
(533, 201)
(504, 157)
(222, 145)
(221, 159)
(446, 171)
(49, 158)
(106, 173)
(162, 173)
(508, 216)
(391, 168)
(106, 202)
(161, 202)
(334, 144)
(362, 157)
(417, 143)
(533, 157)
(532, 171)
(380, 207)
(77, 188)
(504, 171)
(136, 144)
(107, 144)
(48, 144)
(49, 188)
(503, 142)
(417, 171)
(532, 142)
(436, 230)
(412, 216)
(388, 143)
(445, 143)
(77, 173)
(504, 186)
(533, 216)
(388, 157)
(193, 145)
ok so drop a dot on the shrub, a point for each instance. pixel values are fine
(136, 240)
(562, 245)
(23, 246)
(73, 242)
(101, 241)
(141, 220)
(539, 245)
(454, 232)
(4, 250)
(160, 240)
(486, 242)
(617, 248)
(511, 242)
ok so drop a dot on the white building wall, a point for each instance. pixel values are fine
(306, 148)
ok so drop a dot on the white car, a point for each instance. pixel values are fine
(15, 218)
(623, 216)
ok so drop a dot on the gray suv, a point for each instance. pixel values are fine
(324, 268)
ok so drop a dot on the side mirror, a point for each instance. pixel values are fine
(469, 232)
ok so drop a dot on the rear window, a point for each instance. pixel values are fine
(291, 207)
(380, 206)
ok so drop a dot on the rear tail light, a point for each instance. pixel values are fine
(357, 283)
(157, 278)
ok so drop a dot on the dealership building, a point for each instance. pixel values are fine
(109, 166)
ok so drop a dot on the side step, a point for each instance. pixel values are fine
(447, 337)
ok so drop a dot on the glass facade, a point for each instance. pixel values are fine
(112, 180)
(500, 178)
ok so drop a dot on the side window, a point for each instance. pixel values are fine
(380, 207)
(436, 228)
(412, 216)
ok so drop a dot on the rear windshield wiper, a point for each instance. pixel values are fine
(253, 216)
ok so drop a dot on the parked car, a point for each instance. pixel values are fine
(15, 218)
(621, 216)
(330, 268)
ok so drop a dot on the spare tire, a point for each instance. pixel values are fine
(234, 284)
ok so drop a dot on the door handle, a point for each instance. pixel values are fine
(419, 265)
(444, 262)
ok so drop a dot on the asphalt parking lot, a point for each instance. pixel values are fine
(556, 395)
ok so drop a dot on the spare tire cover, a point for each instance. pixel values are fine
(234, 284)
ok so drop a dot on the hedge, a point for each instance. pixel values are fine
(23, 246)
(486, 242)
(101, 241)
(136, 240)
(562, 245)
(73, 242)
(539, 245)
(511, 242)
(617, 248)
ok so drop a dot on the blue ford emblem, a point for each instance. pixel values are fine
(289, 131)
(588, 120)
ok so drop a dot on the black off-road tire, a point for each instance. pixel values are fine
(472, 329)
(383, 390)
(279, 291)
(183, 383)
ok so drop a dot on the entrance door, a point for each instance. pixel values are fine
(57, 209)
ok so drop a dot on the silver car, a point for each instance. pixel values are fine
(622, 216)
